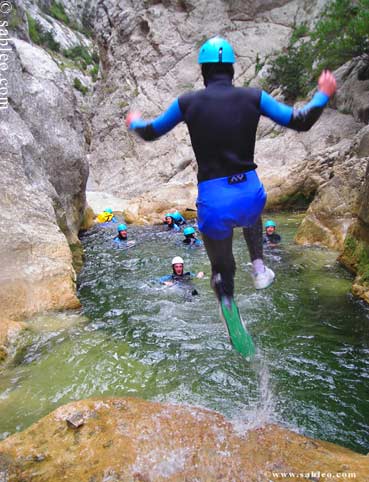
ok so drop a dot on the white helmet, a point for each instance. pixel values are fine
(177, 260)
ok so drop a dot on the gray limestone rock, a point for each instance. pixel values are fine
(44, 172)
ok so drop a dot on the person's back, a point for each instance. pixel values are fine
(222, 121)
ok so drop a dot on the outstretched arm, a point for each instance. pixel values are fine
(300, 119)
(151, 130)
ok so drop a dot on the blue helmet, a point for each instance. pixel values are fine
(188, 231)
(109, 210)
(121, 227)
(270, 223)
(216, 51)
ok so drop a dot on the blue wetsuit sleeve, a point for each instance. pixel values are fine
(167, 277)
(151, 130)
(297, 119)
(278, 112)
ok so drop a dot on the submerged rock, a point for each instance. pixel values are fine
(131, 439)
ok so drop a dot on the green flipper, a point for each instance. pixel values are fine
(239, 336)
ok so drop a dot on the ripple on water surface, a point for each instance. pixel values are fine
(136, 337)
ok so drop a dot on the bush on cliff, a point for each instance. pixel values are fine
(341, 34)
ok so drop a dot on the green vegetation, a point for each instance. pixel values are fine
(79, 55)
(77, 84)
(358, 254)
(363, 263)
(341, 34)
(82, 58)
(94, 72)
(14, 19)
(40, 36)
(56, 10)
(79, 52)
(34, 29)
(258, 64)
(350, 245)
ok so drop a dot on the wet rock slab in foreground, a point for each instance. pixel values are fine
(134, 440)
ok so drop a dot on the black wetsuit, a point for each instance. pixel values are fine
(222, 121)
(273, 238)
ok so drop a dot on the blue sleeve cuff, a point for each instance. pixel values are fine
(162, 124)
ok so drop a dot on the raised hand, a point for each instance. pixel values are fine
(132, 116)
(327, 83)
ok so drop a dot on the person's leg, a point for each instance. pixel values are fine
(253, 235)
(254, 239)
(222, 262)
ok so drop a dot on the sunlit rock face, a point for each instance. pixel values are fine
(44, 173)
(341, 191)
(355, 255)
(338, 217)
(131, 439)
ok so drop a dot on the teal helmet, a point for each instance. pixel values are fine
(270, 223)
(121, 227)
(109, 210)
(216, 51)
(188, 231)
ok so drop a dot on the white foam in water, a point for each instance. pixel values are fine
(161, 463)
(263, 411)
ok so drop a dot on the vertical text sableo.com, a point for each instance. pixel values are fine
(4, 62)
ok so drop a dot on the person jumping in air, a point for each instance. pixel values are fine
(222, 122)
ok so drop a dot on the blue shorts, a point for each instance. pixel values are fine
(228, 202)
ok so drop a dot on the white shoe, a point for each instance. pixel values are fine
(263, 280)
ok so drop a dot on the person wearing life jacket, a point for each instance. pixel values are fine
(190, 237)
(178, 275)
(106, 216)
(222, 121)
(170, 222)
(271, 238)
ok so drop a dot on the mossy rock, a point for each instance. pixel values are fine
(88, 219)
